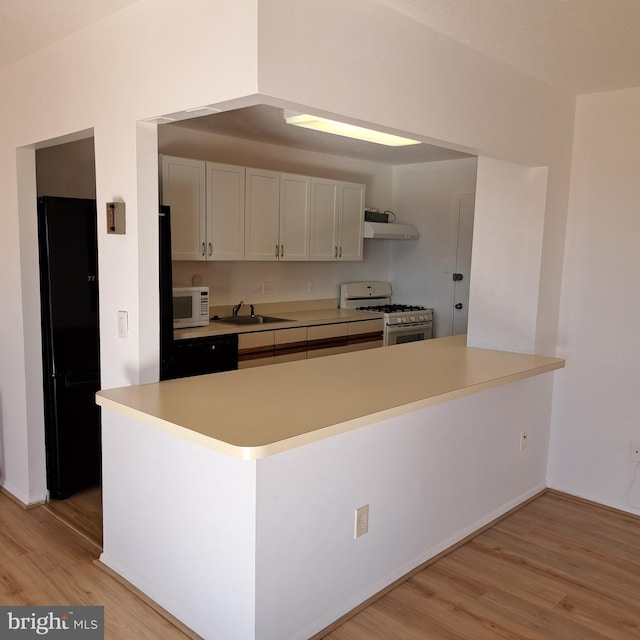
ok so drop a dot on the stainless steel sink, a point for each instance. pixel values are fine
(241, 320)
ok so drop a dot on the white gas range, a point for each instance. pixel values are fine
(402, 323)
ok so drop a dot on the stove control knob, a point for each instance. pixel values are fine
(412, 318)
(403, 319)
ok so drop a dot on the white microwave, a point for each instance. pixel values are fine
(190, 307)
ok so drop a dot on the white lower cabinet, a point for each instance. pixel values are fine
(367, 334)
(327, 340)
(259, 348)
(290, 344)
(255, 349)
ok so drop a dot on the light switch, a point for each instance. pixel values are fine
(123, 324)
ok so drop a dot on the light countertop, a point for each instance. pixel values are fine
(255, 413)
(298, 318)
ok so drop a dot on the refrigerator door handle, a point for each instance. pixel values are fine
(80, 379)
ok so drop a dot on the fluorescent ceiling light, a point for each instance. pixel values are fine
(196, 109)
(348, 130)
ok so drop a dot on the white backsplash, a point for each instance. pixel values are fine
(229, 282)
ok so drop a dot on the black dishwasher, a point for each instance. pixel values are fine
(197, 356)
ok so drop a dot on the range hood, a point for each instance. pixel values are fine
(390, 231)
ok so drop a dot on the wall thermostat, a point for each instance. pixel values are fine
(116, 222)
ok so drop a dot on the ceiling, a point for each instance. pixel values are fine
(582, 46)
(264, 123)
(29, 25)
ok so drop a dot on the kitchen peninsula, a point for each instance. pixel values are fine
(229, 499)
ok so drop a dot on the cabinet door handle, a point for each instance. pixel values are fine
(335, 252)
(203, 249)
(282, 251)
(340, 256)
(276, 251)
(210, 249)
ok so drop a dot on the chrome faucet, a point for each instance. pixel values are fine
(236, 308)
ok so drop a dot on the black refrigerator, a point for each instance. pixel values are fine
(166, 294)
(67, 241)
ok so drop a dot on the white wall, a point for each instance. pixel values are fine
(426, 479)
(180, 524)
(596, 411)
(425, 196)
(509, 226)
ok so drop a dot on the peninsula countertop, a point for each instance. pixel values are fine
(255, 413)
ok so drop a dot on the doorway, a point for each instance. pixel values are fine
(462, 273)
(68, 252)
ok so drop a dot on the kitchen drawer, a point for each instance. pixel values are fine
(288, 336)
(366, 326)
(290, 344)
(366, 334)
(327, 339)
(255, 340)
(326, 331)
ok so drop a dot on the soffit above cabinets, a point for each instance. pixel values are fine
(265, 124)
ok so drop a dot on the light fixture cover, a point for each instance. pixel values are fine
(348, 130)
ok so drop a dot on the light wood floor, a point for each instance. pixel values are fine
(556, 569)
(82, 511)
(43, 561)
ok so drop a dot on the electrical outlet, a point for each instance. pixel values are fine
(362, 521)
(267, 287)
(634, 451)
(523, 440)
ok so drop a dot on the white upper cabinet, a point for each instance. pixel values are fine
(324, 219)
(295, 216)
(207, 209)
(277, 216)
(351, 201)
(262, 215)
(183, 189)
(225, 212)
(337, 219)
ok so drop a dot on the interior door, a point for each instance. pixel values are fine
(67, 239)
(462, 274)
